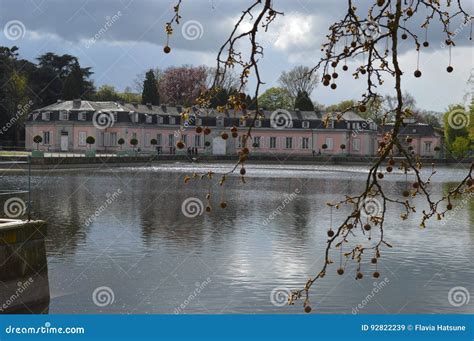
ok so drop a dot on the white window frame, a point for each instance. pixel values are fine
(149, 119)
(159, 139)
(243, 123)
(330, 143)
(81, 116)
(290, 144)
(257, 140)
(171, 140)
(272, 139)
(197, 140)
(258, 124)
(64, 115)
(47, 141)
(356, 145)
(427, 146)
(46, 116)
(160, 120)
(305, 124)
(305, 143)
(198, 121)
(172, 120)
(81, 138)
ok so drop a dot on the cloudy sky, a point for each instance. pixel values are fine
(134, 40)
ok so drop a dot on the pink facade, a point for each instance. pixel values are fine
(66, 125)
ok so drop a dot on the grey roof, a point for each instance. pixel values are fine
(83, 106)
(419, 129)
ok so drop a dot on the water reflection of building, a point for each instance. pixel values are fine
(65, 126)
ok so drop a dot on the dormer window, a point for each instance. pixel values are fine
(243, 122)
(258, 124)
(306, 124)
(63, 115)
(220, 121)
(160, 120)
(35, 116)
(115, 116)
(172, 120)
(45, 116)
(81, 116)
(199, 121)
(149, 119)
(134, 116)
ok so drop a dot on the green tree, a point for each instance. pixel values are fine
(150, 89)
(121, 142)
(90, 140)
(460, 146)
(303, 102)
(107, 93)
(37, 139)
(455, 119)
(275, 98)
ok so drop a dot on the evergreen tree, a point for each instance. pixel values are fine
(73, 85)
(303, 102)
(150, 89)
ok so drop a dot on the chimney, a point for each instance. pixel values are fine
(149, 106)
(76, 103)
(163, 107)
(135, 104)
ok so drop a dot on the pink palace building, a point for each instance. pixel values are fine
(65, 126)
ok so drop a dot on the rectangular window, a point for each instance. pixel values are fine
(149, 119)
(305, 143)
(273, 142)
(160, 120)
(199, 121)
(115, 116)
(113, 139)
(45, 116)
(356, 145)
(184, 138)
(46, 137)
(220, 121)
(258, 124)
(242, 122)
(172, 120)
(134, 135)
(171, 140)
(63, 115)
(330, 142)
(306, 124)
(147, 140)
(159, 139)
(197, 140)
(82, 138)
(289, 143)
(427, 147)
(256, 142)
(81, 116)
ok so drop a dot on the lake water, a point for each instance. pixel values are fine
(124, 229)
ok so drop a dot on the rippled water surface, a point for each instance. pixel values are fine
(157, 260)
